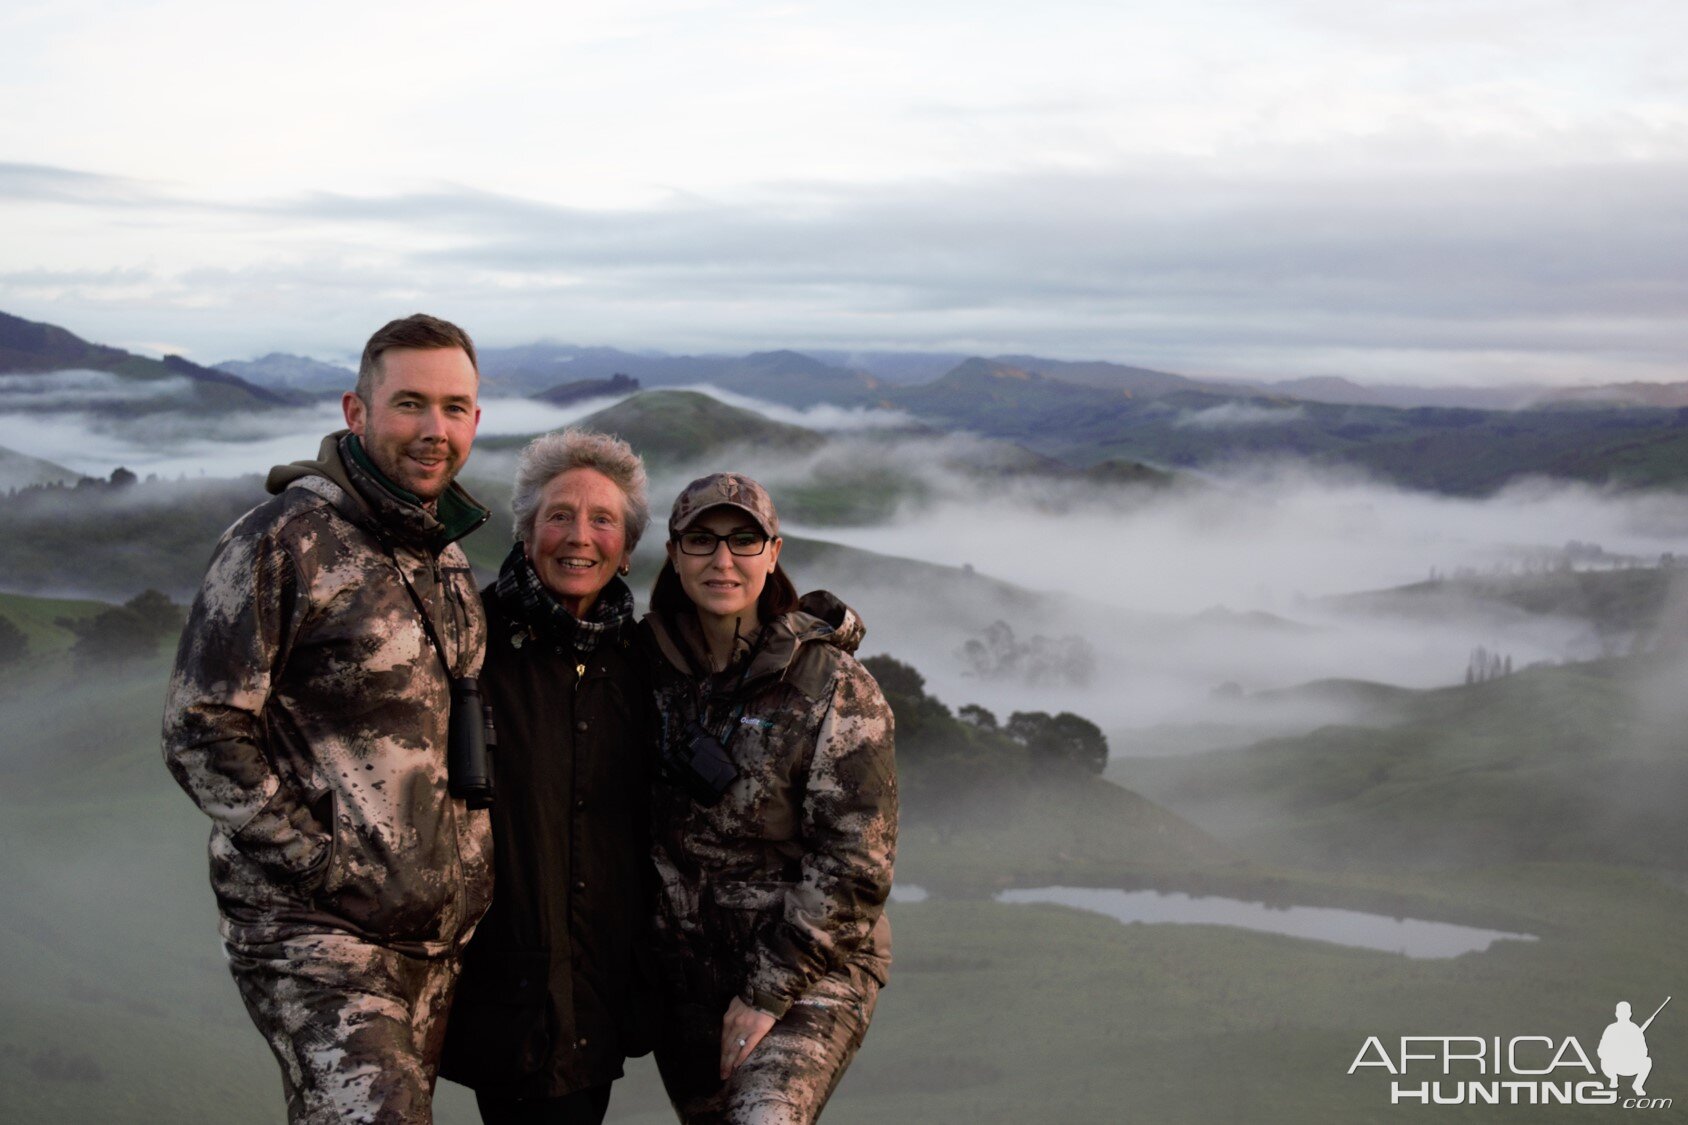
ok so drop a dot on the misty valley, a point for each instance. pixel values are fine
(1233, 727)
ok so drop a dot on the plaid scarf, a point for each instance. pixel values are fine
(611, 612)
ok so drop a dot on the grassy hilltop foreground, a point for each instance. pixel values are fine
(117, 1007)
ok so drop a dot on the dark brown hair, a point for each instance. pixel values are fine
(419, 330)
(669, 599)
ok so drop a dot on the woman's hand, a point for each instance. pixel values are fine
(741, 1029)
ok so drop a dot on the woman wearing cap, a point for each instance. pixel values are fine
(776, 827)
(545, 1012)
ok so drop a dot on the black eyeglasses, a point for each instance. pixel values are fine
(745, 544)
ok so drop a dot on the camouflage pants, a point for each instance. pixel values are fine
(356, 1027)
(788, 1077)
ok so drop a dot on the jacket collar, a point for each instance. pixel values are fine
(821, 617)
(367, 498)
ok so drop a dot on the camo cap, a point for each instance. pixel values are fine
(729, 490)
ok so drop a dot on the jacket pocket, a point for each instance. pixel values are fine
(500, 1028)
(325, 806)
(291, 839)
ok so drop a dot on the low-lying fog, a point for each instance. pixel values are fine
(1186, 596)
(1156, 606)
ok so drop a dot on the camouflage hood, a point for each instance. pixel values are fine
(820, 617)
(367, 498)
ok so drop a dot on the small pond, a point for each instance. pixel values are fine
(1409, 936)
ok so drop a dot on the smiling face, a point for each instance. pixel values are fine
(421, 418)
(579, 537)
(722, 585)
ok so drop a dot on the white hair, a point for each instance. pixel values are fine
(550, 455)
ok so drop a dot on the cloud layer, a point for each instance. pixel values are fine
(1551, 275)
(1489, 190)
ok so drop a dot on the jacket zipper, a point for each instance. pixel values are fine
(460, 885)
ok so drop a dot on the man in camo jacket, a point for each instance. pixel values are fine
(308, 717)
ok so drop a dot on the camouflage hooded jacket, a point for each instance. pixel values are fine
(307, 714)
(785, 879)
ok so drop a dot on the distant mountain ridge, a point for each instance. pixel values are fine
(30, 347)
(1448, 450)
(292, 372)
(794, 377)
(1106, 376)
(787, 377)
(1082, 413)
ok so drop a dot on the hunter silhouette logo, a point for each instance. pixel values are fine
(1520, 1070)
(1623, 1048)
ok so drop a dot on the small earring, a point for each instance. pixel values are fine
(624, 569)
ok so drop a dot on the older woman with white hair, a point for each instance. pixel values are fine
(545, 1012)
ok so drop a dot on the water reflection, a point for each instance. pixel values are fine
(1409, 936)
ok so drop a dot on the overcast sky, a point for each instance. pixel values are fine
(1444, 191)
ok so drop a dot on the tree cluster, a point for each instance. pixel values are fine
(998, 654)
(1066, 740)
(928, 733)
(1485, 666)
(124, 632)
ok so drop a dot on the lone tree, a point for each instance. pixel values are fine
(158, 611)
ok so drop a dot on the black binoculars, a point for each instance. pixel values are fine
(700, 766)
(469, 745)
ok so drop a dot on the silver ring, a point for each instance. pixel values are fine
(743, 1042)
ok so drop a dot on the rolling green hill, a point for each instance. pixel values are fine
(675, 430)
(670, 427)
(1581, 762)
(1645, 605)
